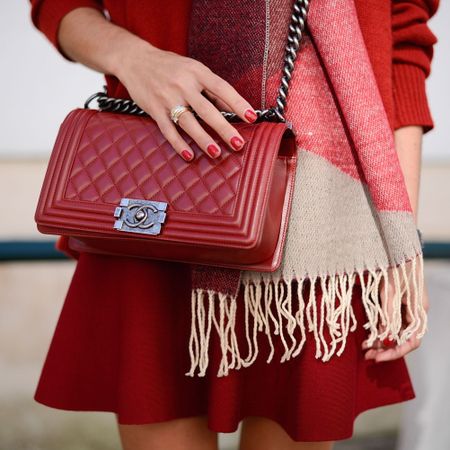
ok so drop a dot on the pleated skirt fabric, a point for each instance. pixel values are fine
(121, 345)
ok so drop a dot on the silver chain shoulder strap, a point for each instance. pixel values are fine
(276, 113)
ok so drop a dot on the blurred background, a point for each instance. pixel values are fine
(39, 88)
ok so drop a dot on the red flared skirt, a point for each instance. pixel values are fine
(121, 345)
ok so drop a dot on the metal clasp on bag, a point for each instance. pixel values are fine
(140, 216)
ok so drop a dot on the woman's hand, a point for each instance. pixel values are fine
(158, 80)
(388, 350)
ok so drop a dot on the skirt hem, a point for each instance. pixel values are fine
(232, 427)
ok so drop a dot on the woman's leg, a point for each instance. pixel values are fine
(189, 433)
(259, 433)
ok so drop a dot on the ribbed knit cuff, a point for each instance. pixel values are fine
(410, 99)
(47, 16)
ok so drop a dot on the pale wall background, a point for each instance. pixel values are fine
(39, 88)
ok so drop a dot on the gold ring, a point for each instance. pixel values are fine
(176, 112)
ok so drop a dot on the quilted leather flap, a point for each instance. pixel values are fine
(100, 158)
(126, 156)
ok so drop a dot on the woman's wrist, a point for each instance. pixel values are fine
(128, 49)
(86, 36)
(421, 240)
(408, 143)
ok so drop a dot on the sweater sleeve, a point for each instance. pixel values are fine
(47, 15)
(412, 53)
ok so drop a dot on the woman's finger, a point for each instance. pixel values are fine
(386, 296)
(212, 116)
(398, 351)
(190, 125)
(228, 94)
(170, 132)
(216, 101)
(371, 354)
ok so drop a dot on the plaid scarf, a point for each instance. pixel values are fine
(351, 219)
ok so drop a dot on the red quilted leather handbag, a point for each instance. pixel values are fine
(114, 185)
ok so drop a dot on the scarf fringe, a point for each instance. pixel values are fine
(211, 309)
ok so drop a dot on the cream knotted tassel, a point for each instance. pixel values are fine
(269, 308)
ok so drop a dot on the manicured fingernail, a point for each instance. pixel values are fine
(236, 142)
(250, 115)
(213, 150)
(388, 342)
(187, 155)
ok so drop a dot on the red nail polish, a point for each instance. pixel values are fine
(213, 150)
(187, 155)
(236, 142)
(250, 115)
(387, 342)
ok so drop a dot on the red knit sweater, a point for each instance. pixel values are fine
(398, 40)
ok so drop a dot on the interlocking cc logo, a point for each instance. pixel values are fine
(140, 216)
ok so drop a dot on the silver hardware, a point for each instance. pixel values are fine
(276, 113)
(140, 216)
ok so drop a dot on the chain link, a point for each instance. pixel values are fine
(276, 113)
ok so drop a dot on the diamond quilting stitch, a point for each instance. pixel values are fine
(123, 160)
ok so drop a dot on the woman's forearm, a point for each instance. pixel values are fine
(408, 143)
(158, 80)
(86, 36)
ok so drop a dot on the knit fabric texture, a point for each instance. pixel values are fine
(351, 219)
